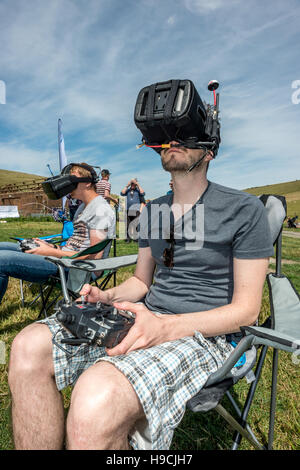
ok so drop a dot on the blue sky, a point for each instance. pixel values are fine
(85, 62)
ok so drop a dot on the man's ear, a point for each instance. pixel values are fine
(209, 156)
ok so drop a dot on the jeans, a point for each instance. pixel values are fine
(26, 266)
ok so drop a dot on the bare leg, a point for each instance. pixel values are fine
(104, 407)
(37, 408)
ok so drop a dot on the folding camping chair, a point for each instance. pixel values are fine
(109, 266)
(49, 238)
(77, 278)
(55, 239)
(281, 331)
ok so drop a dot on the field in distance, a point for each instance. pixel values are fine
(11, 177)
(291, 191)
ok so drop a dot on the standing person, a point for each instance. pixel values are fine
(103, 187)
(134, 203)
(171, 187)
(192, 293)
(72, 204)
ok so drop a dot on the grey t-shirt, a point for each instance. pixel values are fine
(97, 215)
(224, 224)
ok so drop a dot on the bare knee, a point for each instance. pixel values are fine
(31, 353)
(96, 393)
(103, 406)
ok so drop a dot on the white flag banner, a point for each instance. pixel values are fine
(62, 153)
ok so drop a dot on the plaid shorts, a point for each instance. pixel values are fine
(164, 377)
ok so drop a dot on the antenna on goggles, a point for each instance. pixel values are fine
(213, 85)
(212, 124)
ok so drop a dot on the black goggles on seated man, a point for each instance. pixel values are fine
(63, 184)
(173, 111)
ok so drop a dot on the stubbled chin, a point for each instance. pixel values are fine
(174, 164)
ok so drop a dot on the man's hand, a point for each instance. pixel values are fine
(94, 294)
(148, 330)
(44, 248)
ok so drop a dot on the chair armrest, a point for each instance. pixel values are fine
(223, 371)
(113, 263)
(57, 241)
(272, 338)
(91, 250)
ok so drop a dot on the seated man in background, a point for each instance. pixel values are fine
(207, 283)
(94, 222)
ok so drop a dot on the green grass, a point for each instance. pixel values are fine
(291, 248)
(208, 431)
(11, 177)
(279, 188)
(27, 229)
(196, 431)
(291, 191)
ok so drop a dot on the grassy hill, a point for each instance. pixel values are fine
(10, 177)
(291, 191)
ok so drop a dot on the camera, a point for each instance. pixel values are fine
(94, 323)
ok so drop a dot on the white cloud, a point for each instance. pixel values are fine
(171, 20)
(202, 6)
(18, 157)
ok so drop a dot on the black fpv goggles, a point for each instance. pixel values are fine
(173, 110)
(63, 184)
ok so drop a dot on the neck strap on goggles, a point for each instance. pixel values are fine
(82, 179)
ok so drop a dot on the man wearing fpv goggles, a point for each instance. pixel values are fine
(94, 221)
(204, 289)
(65, 183)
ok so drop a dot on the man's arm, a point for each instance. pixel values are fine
(150, 329)
(109, 197)
(139, 187)
(131, 290)
(249, 277)
(124, 190)
(47, 249)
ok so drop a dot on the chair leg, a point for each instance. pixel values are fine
(244, 415)
(105, 281)
(32, 302)
(273, 399)
(235, 425)
(22, 293)
(45, 299)
(38, 296)
(239, 413)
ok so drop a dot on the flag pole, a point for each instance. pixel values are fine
(62, 154)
